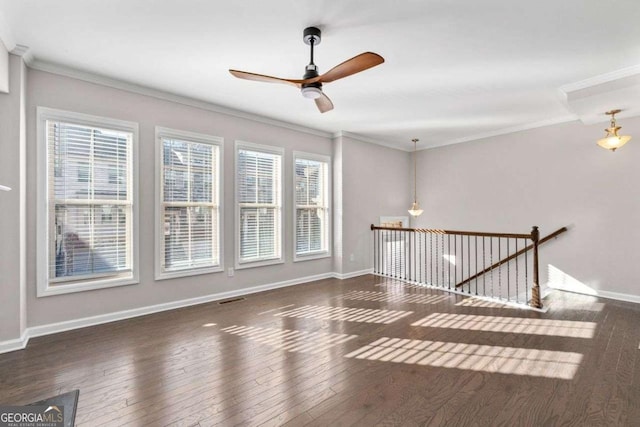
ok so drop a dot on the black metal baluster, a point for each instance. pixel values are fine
(391, 255)
(526, 276)
(491, 260)
(476, 272)
(396, 255)
(414, 270)
(499, 267)
(461, 260)
(469, 260)
(455, 260)
(508, 274)
(431, 257)
(380, 246)
(517, 274)
(375, 253)
(420, 257)
(484, 267)
(385, 235)
(449, 263)
(438, 259)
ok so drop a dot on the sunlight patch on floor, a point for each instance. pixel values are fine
(485, 358)
(394, 297)
(482, 303)
(394, 286)
(290, 340)
(513, 325)
(347, 314)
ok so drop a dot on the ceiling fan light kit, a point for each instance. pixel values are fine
(311, 92)
(311, 83)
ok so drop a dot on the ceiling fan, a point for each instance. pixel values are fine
(311, 83)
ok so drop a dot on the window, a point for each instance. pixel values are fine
(259, 204)
(188, 221)
(86, 221)
(311, 199)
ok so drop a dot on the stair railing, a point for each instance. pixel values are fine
(501, 266)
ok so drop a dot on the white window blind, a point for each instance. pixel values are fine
(311, 206)
(189, 205)
(259, 194)
(89, 202)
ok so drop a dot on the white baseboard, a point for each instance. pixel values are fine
(602, 294)
(343, 276)
(15, 344)
(52, 328)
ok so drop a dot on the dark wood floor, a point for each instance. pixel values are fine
(363, 351)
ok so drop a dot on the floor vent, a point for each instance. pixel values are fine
(227, 301)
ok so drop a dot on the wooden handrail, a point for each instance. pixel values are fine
(454, 232)
(512, 256)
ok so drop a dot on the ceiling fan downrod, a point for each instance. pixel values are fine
(311, 36)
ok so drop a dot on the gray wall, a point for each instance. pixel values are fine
(12, 205)
(550, 177)
(54, 91)
(375, 182)
(4, 68)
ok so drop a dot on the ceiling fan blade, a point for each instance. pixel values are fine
(324, 104)
(358, 63)
(262, 78)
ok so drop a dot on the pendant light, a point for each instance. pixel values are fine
(612, 141)
(415, 207)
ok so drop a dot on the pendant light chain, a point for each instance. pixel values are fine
(415, 207)
(415, 169)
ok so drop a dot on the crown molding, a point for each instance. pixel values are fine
(590, 98)
(600, 79)
(24, 52)
(506, 131)
(363, 138)
(499, 132)
(102, 80)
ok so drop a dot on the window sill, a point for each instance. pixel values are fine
(311, 256)
(187, 272)
(252, 264)
(59, 289)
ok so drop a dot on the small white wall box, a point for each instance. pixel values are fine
(394, 221)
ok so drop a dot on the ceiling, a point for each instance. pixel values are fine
(455, 70)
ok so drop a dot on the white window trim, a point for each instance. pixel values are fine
(44, 285)
(318, 254)
(162, 132)
(265, 149)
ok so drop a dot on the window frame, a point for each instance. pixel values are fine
(268, 149)
(325, 253)
(160, 134)
(46, 287)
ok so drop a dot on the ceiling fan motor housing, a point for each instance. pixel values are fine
(311, 90)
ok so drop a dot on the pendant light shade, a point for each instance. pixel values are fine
(415, 207)
(612, 141)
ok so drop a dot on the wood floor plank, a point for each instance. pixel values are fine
(275, 359)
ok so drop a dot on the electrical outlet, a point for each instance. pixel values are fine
(230, 272)
(352, 257)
